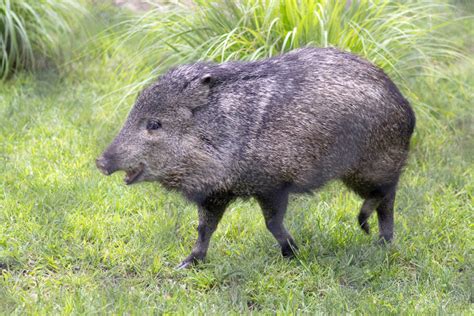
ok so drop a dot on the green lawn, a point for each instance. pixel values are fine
(74, 241)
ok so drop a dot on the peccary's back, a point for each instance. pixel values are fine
(307, 117)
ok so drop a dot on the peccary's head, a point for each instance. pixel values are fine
(159, 140)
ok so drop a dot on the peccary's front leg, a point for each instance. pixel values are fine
(210, 213)
(274, 208)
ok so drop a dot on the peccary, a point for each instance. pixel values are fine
(265, 129)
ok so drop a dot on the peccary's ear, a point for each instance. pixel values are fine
(198, 92)
(207, 79)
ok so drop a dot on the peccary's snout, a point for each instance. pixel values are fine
(106, 164)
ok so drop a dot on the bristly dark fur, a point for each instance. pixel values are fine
(266, 129)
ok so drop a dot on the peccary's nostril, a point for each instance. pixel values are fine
(101, 164)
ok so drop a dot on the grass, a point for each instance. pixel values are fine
(74, 241)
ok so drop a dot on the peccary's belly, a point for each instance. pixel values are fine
(298, 172)
(302, 160)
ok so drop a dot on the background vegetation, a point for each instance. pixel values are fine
(73, 241)
(33, 32)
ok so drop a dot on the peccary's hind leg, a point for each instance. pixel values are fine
(274, 207)
(382, 199)
(366, 210)
(385, 216)
(378, 197)
(210, 213)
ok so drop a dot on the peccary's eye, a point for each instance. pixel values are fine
(152, 125)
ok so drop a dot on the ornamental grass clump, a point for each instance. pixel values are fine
(34, 30)
(398, 37)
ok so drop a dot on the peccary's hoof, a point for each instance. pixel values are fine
(363, 218)
(288, 251)
(365, 227)
(384, 241)
(189, 262)
(184, 265)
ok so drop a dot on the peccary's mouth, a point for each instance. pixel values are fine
(133, 175)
